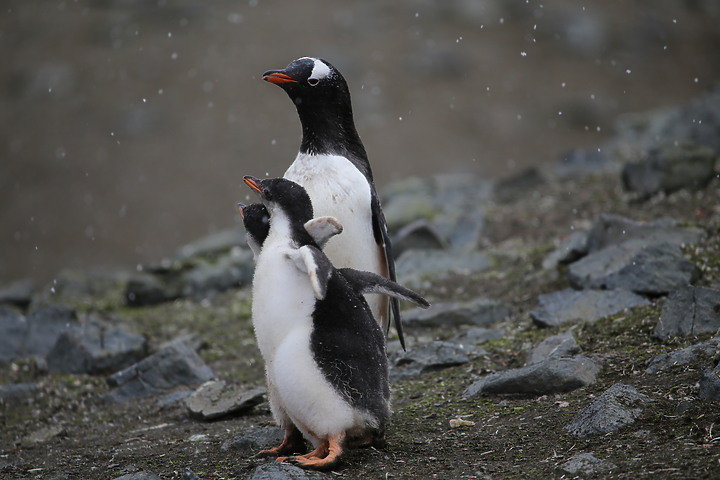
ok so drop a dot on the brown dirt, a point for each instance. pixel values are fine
(512, 437)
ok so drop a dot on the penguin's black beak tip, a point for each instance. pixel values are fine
(278, 77)
(240, 208)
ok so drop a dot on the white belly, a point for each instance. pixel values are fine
(314, 406)
(339, 189)
(282, 298)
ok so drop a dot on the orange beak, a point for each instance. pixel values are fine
(253, 183)
(278, 78)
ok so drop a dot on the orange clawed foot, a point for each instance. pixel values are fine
(323, 457)
(292, 443)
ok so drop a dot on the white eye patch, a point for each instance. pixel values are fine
(319, 71)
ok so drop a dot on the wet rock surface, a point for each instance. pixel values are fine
(285, 472)
(572, 306)
(173, 366)
(216, 399)
(478, 312)
(709, 384)
(95, 347)
(585, 464)
(683, 356)
(565, 314)
(252, 440)
(689, 310)
(560, 345)
(669, 168)
(553, 375)
(619, 406)
(649, 269)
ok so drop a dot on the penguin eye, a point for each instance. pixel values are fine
(267, 194)
(313, 81)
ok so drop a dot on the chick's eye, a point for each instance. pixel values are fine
(313, 81)
(266, 194)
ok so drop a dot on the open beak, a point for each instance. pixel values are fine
(278, 77)
(253, 183)
(241, 209)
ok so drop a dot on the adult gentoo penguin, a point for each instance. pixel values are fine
(325, 359)
(334, 169)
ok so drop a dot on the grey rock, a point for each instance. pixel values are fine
(192, 340)
(479, 311)
(16, 391)
(709, 385)
(585, 464)
(581, 163)
(671, 167)
(571, 248)
(18, 293)
(147, 289)
(142, 475)
(13, 330)
(212, 245)
(284, 471)
(416, 266)
(698, 121)
(611, 229)
(172, 398)
(194, 277)
(419, 234)
(512, 188)
(228, 271)
(94, 287)
(689, 311)
(450, 203)
(555, 375)
(34, 334)
(189, 475)
(252, 440)
(618, 406)
(477, 335)
(42, 435)
(95, 347)
(633, 265)
(435, 355)
(409, 200)
(684, 356)
(45, 325)
(570, 305)
(560, 345)
(215, 399)
(174, 366)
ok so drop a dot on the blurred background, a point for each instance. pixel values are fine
(126, 125)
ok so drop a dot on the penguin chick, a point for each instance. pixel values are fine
(333, 167)
(325, 358)
(256, 220)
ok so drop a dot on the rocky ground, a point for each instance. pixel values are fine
(573, 334)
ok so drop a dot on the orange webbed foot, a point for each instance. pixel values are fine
(292, 443)
(326, 456)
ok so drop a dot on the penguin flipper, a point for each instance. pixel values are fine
(322, 229)
(368, 282)
(382, 238)
(314, 262)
